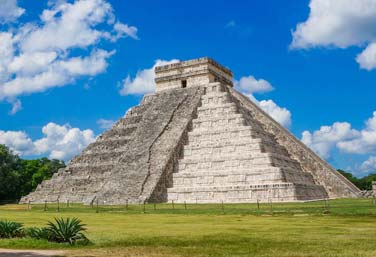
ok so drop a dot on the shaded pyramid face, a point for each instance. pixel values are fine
(195, 140)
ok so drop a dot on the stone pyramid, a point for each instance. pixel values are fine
(195, 140)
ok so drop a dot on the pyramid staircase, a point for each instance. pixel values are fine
(229, 156)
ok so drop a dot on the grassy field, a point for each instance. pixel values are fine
(336, 228)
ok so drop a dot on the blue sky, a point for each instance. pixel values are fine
(307, 76)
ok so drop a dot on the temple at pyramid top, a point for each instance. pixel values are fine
(197, 72)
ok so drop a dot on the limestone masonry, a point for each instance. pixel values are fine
(195, 140)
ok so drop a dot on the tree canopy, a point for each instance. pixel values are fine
(364, 183)
(18, 177)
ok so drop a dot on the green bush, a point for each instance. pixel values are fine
(10, 229)
(67, 231)
(38, 233)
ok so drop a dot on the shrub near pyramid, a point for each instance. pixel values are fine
(195, 140)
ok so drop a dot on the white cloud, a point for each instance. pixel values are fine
(322, 141)
(343, 137)
(123, 30)
(105, 124)
(10, 11)
(250, 85)
(339, 23)
(59, 142)
(144, 82)
(369, 164)
(280, 114)
(16, 106)
(367, 58)
(17, 141)
(365, 142)
(61, 47)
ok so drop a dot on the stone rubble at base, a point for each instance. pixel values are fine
(195, 140)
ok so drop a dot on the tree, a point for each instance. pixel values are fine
(10, 164)
(364, 183)
(19, 177)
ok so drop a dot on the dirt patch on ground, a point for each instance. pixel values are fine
(29, 253)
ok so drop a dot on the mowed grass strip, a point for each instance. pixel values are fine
(299, 229)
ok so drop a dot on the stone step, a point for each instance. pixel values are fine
(230, 171)
(248, 130)
(236, 161)
(234, 141)
(210, 100)
(222, 153)
(225, 187)
(227, 118)
(232, 146)
(217, 113)
(231, 179)
(275, 192)
(252, 156)
(89, 158)
(266, 175)
(225, 106)
(107, 164)
(200, 136)
(114, 139)
(239, 147)
(214, 87)
(118, 132)
(103, 145)
(232, 121)
(213, 94)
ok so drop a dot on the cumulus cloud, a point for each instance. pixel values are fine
(365, 142)
(58, 49)
(339, 23)
(105, 124)
(10, 11)
(58, 142)
(249, 86)
(369, 164)
(18, 141)
(143, 82)
(367, 58)
(343, 137)
(322, 141)
(280, 114)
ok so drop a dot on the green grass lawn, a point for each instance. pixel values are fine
(342, 228)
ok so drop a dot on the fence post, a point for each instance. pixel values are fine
(58, 206)
(155, 206)
(185, 205)
(28, 205)
(97, 207)
(45, 205)
(223, 208)
(143, 210)
(126, 205)
(258, 204)
(271, 206)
